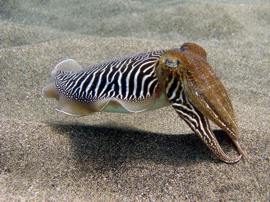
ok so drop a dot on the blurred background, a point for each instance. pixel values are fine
(156, 19)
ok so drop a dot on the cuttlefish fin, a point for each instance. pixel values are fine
(135, 106)
(75, 108)
(50, 91)
(65, 104)
(67, 65)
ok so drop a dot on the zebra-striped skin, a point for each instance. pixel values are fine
(130, 79)
(178, 77)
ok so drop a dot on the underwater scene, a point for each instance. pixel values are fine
(190, 81)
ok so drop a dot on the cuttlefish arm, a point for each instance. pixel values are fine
(197, 95)
(207, 93)
(200, 125)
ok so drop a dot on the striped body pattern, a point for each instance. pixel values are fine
(130, 79)
(179, 77)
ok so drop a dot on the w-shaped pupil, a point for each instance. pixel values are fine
(172, 63)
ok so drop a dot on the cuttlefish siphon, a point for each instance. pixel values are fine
(180, 77)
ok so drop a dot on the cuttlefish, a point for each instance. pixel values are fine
(179, 77)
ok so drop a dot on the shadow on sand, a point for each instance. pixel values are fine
(108, 147)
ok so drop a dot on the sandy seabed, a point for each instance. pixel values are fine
(45, 155)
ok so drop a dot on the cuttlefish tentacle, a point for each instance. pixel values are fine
(198, 123)
(202, 96)
(207, 93)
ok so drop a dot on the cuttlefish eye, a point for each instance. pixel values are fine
(172, 63)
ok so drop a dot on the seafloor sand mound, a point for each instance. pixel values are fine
(46, 155)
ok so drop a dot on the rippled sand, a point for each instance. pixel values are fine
(45, 155)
